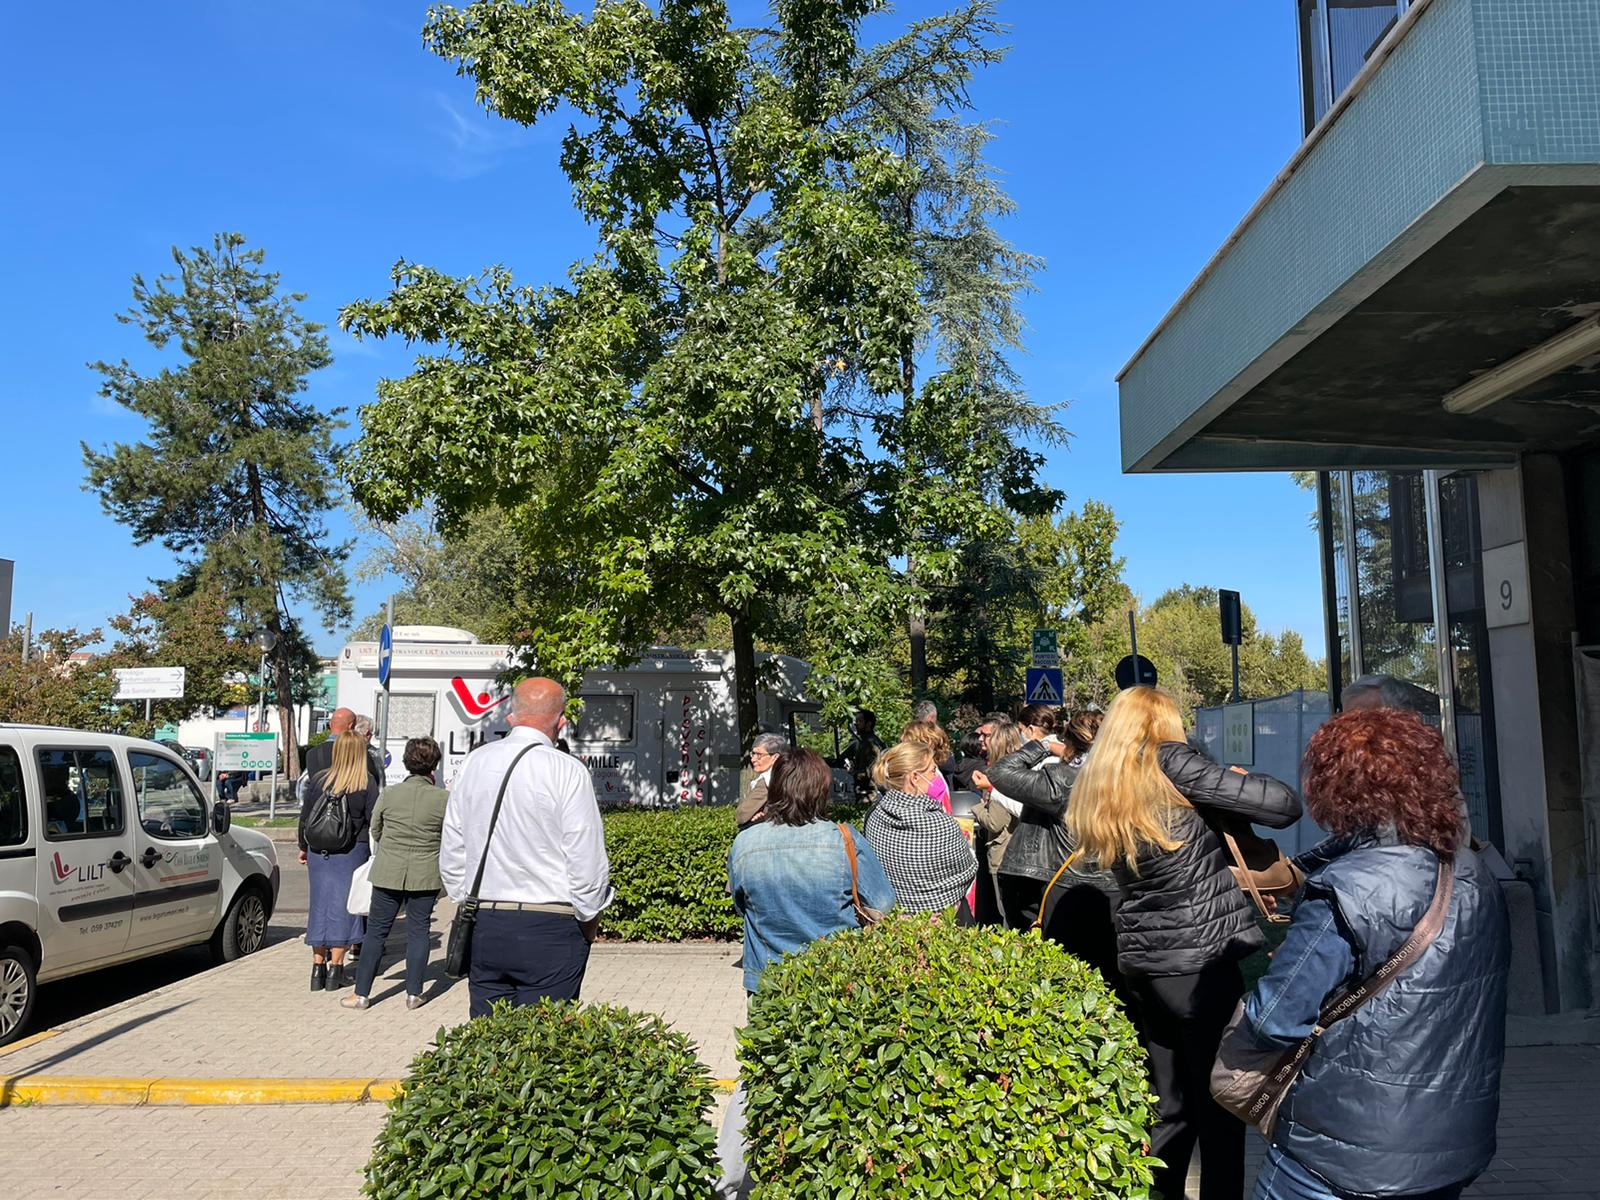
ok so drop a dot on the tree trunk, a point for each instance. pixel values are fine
(917, 630)
(744, 677)
(285, 689)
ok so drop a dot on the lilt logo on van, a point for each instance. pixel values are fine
(473, 707)
(64, 871)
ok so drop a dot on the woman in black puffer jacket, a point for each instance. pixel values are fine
(1147, 807)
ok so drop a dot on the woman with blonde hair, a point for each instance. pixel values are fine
(923, 852)
(334, 818)
(937, 743)
(1144, 806)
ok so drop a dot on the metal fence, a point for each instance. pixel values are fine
(1279, 729)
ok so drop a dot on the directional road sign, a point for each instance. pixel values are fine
(149, 683)
(385, 655)
(1044, 685)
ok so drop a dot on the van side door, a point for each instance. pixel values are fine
(85, 879)
(18, 842)
(178, 864)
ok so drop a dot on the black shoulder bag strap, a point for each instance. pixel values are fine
(458, 950)
(483, 861)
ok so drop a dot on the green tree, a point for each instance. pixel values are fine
(912, 92)
(705, 418)
(1052, 573)
(238, 469)
(172, 627)
(55, 688)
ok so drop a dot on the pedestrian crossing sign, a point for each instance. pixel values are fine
(1044, 685)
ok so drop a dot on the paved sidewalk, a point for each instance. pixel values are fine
(257, 1018)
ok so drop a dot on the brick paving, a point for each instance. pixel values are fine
(256, 1018)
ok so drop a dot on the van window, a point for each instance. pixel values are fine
(82, 793)
(13, 803)
(170, 806)
(605, 719)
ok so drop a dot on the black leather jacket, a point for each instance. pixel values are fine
(1039, 842)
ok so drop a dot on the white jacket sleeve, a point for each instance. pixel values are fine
(453, 844)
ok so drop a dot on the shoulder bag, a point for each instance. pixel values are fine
(458, 949)
(864, 915)
(1261, 869)
(1251, 1083)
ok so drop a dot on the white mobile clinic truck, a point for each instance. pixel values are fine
(660, 733)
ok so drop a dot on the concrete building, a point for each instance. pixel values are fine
(1412, 313)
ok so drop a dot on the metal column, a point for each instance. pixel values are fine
(1352, 570)
(1438, 578)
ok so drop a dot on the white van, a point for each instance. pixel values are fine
(109, 852)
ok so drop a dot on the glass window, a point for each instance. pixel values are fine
(605, 719)
(82, 793)
(170, 806)
(410, 715)
(13, 801)
(1337, 38)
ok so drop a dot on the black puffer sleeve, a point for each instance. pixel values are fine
(1257, 798)
(1047, 790)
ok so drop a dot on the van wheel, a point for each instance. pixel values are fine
(17, 990)
(244, 930)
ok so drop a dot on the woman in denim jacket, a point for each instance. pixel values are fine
(789, 875)
(1401, 1097)
(791, 882)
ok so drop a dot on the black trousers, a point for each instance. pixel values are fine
(1078, 918)
(524, 957)
(1182, 1018)
(1020, 896)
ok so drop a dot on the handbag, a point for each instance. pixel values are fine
(864, 916)
(458, 947)
(1261, 869)
(358, 902)
(1251, 1083)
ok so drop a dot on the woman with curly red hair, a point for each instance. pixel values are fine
(1400, 1098)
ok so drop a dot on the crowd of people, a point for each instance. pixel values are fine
(1109, 834)
(1115, 837)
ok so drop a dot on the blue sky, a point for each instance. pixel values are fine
(1133, 137)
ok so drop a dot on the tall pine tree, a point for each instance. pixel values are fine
(237, 470)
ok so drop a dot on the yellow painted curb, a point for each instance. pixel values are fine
(98, 1090)
(115, 1090)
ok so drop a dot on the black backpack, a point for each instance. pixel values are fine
(327, 827)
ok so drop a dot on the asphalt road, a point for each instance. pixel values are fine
(84, 995)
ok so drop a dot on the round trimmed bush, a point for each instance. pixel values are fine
(918, 1059)
(550, 1101)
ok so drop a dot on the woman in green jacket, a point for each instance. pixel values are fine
(405, 871)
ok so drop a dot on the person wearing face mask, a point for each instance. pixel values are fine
(927, 858)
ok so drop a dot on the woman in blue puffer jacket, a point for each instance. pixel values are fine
(1401, 1097)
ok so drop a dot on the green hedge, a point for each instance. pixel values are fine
(554, 1101)
(918, 1059)
(670, 869)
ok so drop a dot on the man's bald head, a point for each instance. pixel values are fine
(341, 721)
(538, 703)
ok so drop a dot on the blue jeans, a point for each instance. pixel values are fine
(386, 904)
(1284, 1178)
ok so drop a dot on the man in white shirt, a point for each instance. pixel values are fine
(546, 878)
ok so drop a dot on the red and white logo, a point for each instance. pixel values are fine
(60, 869)
(474, 706)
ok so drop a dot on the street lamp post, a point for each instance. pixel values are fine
(265, 640)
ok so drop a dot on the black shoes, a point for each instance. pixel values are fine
(337, 978)
(319, 977)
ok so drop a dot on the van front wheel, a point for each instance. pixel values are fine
(244, 930)
(17, 990)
